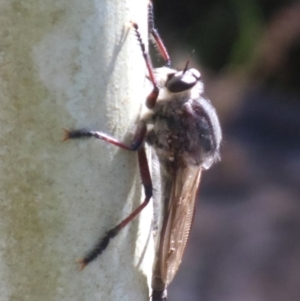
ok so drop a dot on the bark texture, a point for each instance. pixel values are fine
(69, 64)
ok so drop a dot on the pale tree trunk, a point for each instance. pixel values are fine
(70, 64)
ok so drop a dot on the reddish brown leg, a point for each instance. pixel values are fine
(136, 141)
(152, 97)
(153, 31)
(145, 176)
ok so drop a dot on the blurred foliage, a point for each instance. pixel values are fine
(246, 234)
(224, 33)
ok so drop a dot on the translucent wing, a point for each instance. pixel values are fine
(178, 220)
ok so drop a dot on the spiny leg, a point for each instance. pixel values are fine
(153, 31)
(145, 176)
(152, 97)
(137, 140)
(104, 241)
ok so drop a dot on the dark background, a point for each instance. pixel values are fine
(245, 241)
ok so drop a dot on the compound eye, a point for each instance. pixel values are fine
(182, 81)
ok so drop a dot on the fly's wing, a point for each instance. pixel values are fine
(178, 220)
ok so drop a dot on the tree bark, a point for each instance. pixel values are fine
(70, 64)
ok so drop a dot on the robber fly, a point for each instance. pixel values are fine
(182, 128)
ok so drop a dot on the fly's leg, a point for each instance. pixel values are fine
(153, 31)
(136, 145)
(103, 242)
(152, 97)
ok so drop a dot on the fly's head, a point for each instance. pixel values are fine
(181, 81)
(184, 82)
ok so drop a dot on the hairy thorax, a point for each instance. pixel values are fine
(182, 130)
